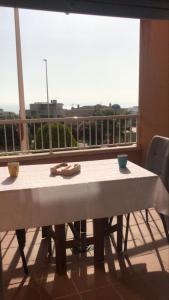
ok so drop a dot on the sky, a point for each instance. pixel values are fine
(91, 59)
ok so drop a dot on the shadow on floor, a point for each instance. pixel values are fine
(142, 273)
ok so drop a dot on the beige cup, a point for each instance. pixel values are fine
(13, 168)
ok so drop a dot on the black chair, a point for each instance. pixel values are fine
(21, 238)
(157, 161)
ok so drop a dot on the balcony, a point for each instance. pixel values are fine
(130, 277)
(144, 273)
(138, 276)
(67, 137)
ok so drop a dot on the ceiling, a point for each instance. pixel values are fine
(151, 9)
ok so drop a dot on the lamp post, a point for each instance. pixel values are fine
(23, 129)
(47, 89)
(47, 97)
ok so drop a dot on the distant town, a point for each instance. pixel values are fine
(55, 109)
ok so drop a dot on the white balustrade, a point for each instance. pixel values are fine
(56, 134)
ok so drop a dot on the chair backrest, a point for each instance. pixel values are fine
(157, 159)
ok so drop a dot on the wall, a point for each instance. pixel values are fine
(154, 81)
(76, 155)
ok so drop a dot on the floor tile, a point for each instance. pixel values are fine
(135, 287)
(158, 283)
(164, 255)
(26, 291)
(142, 274)
(90, 278)
(127, 293)
(146, 263)
(107, 293)
(73, 297)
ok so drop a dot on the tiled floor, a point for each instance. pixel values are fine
(142, 274)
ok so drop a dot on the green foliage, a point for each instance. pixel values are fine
(106, 132)
(57, 142)
(108, 112)
(9, 140)
(113, 126)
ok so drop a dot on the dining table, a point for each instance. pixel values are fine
(100, 190)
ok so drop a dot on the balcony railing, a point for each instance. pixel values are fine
(58, 134)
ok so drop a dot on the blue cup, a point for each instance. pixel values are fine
(122, 160)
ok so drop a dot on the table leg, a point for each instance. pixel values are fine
(76, 249)
(1, 277)
(99, 231)
(45, 231)
(119, 233)
(79, 231)
(60, 244)
(83, 228)
(83, 234)
(46, 234)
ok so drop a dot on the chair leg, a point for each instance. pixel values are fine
(46, 235)
(110, 221)
(49, 246)
(44, 231)
(146, 211)
(49, 240)
(1, 277)
(127, 231)
(20, 234)
(83, 229)
(165, 226)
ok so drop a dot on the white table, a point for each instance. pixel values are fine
(101, 190)
(35, 198)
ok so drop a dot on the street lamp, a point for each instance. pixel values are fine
(22, 114)
(47, 96)
(47, 90)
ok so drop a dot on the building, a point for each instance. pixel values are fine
(7, 114)
(87, 110)
(40, 110)
(1, 113)
(133, 110)
(82, 111)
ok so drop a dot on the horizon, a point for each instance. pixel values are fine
(15, 109)
(91, 59)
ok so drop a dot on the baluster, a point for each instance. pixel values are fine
(34, 134)
(96, 132)
(78, 133)
(65, 144)
(114, 140)
(108, 133)
(90, 134)
(13, 138)
(125, 128)
(136, 130)
(71, 135)
(58, 133)
(42, 143)
(5, 139)
(102, 132)
(119, 131)
(130, 130)
(83, 133)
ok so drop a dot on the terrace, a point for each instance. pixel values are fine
(143, 273)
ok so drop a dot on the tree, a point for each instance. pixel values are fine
(105, 131)
(61, 136)
(10, 136)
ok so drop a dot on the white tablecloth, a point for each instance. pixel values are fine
(35, 198)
